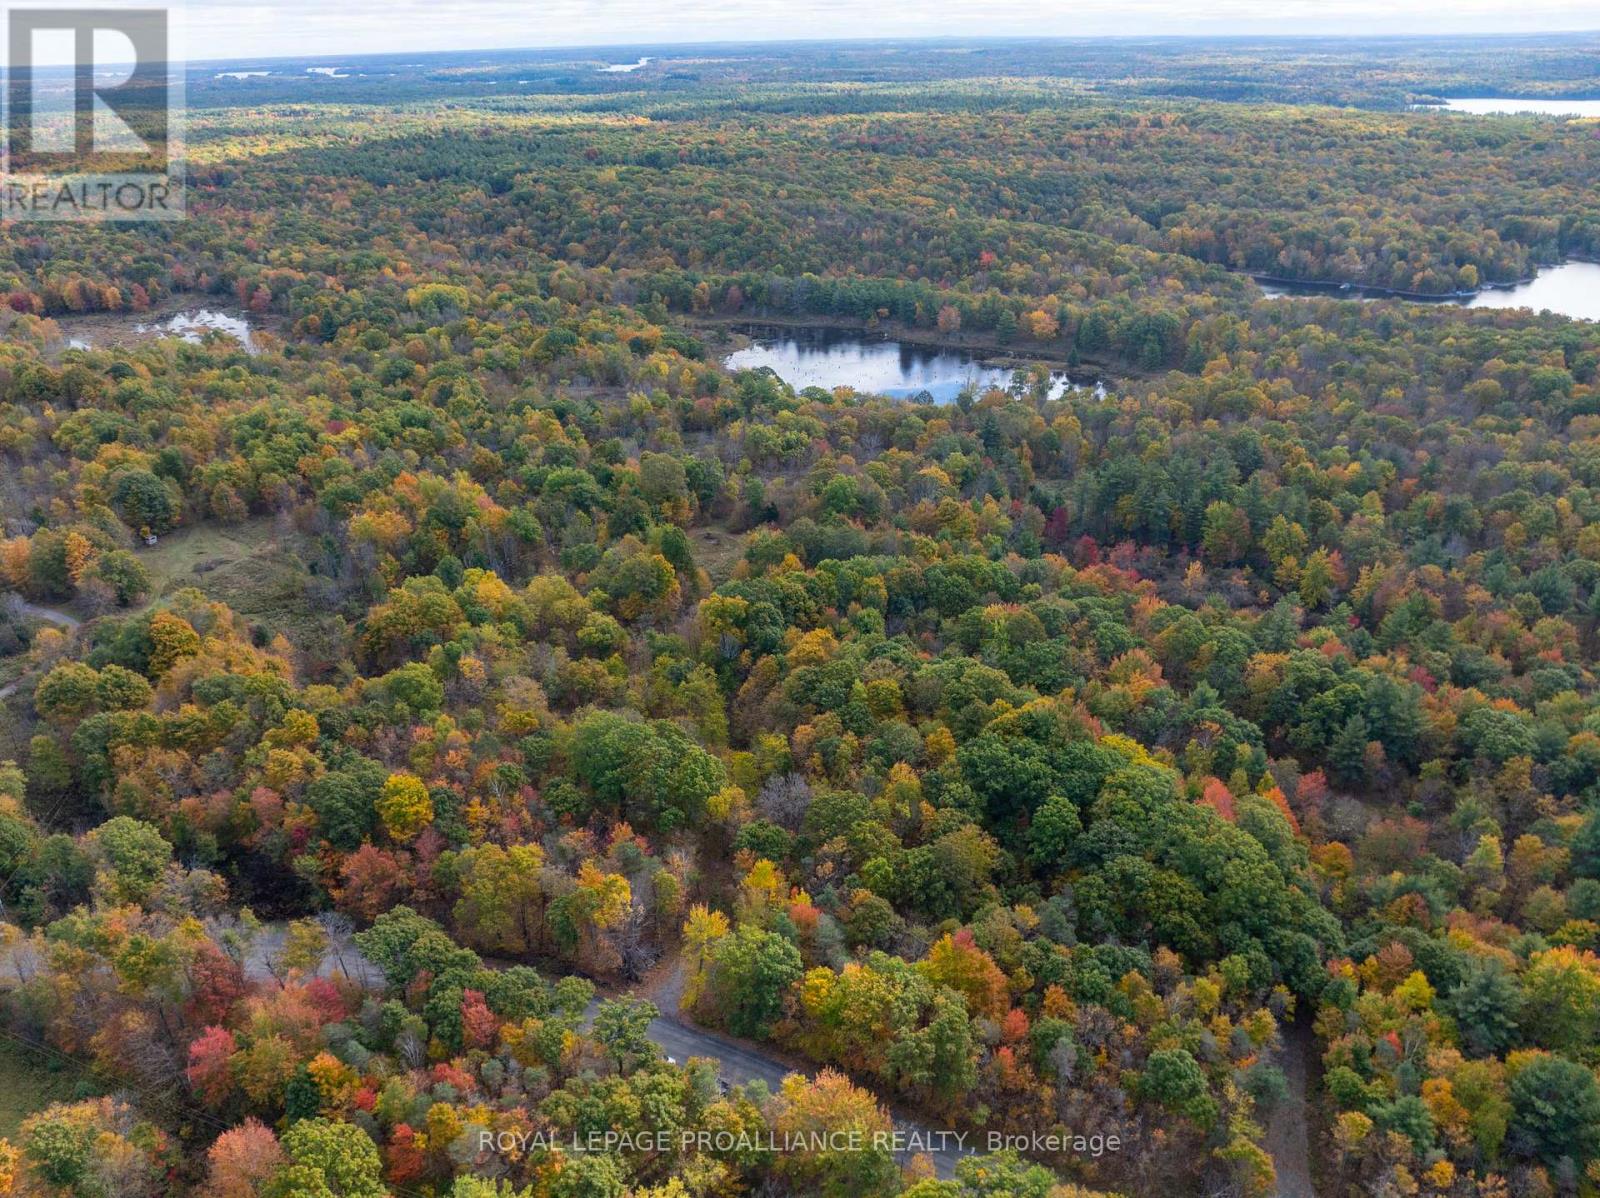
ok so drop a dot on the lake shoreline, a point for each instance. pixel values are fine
(1561, 288)
(1425, 297)
(983, 351)
(89, 331)
(873, 361)
(1567, 108)
(1335, 289)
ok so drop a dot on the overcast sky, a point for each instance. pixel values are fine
(297, 28)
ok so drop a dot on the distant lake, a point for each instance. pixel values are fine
(1571, 289)
(1506, 105)
(622, 68)
(829, 358)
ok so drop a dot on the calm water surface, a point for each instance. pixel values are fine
(1501, 106)
(830, 358)
(102, 331)
(1572, 289)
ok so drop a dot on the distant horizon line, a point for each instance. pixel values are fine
(967, 39)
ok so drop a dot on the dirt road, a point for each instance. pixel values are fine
(1288, 1123)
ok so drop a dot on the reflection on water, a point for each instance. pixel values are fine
(623, 68)
(192, 326)
(99, 332)
(1507, 105)
(829, 358)
(1571, 289)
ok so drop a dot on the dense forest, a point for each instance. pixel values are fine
(409, 711)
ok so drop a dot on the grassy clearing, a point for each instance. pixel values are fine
(716, 552)
(29, 1082)
(256, 568)
(252, 567)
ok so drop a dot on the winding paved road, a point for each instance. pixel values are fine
(739, 1062)
(343, 958)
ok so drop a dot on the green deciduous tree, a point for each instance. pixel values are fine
(328, 1160)
(751, 971)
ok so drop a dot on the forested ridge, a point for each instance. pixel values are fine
(1028, 763)
(1028, 202)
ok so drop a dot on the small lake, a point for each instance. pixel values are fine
(1511, 106)
(104, 330)
(1571, 289)
(829, 358)
(623, 68)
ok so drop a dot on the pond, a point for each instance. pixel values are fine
(829, 358)
(102, 331)
(1510, 105)
(623, 68)
(1571, 289)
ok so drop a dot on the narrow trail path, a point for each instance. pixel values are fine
(49, 615)
(1288, 1125)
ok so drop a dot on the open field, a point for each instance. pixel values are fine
(28, 1084)
(717, 552)
(251, 567)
